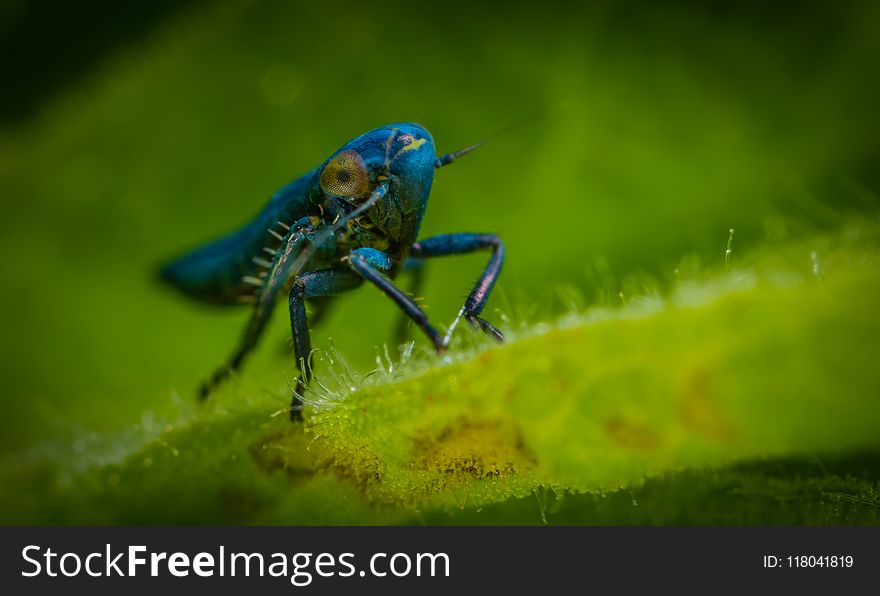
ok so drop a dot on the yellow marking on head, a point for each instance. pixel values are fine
(415, 144)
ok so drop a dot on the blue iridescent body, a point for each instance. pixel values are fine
(355, 217)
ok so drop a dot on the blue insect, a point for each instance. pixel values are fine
(355, 217)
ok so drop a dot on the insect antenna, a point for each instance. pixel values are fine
(445, 160)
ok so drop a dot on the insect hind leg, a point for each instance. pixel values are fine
(283, 265)
(315, 284)
(252, 333)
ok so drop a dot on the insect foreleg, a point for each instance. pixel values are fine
(326, 282)
(453, 244)
(368, 263)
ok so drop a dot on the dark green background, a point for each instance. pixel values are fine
(131, 134)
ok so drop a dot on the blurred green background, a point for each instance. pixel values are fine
(130, 135)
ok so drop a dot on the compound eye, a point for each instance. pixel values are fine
(346, 176)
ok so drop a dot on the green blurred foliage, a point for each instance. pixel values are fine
(665, 127)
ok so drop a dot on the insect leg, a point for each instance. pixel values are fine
(283, 267)
(368, 263)
(318, 309)
(252, 333)
(453, 244)
(416, 269)
(315, 284)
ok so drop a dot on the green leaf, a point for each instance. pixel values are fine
(772, 365)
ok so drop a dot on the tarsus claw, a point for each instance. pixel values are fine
(485, 326)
